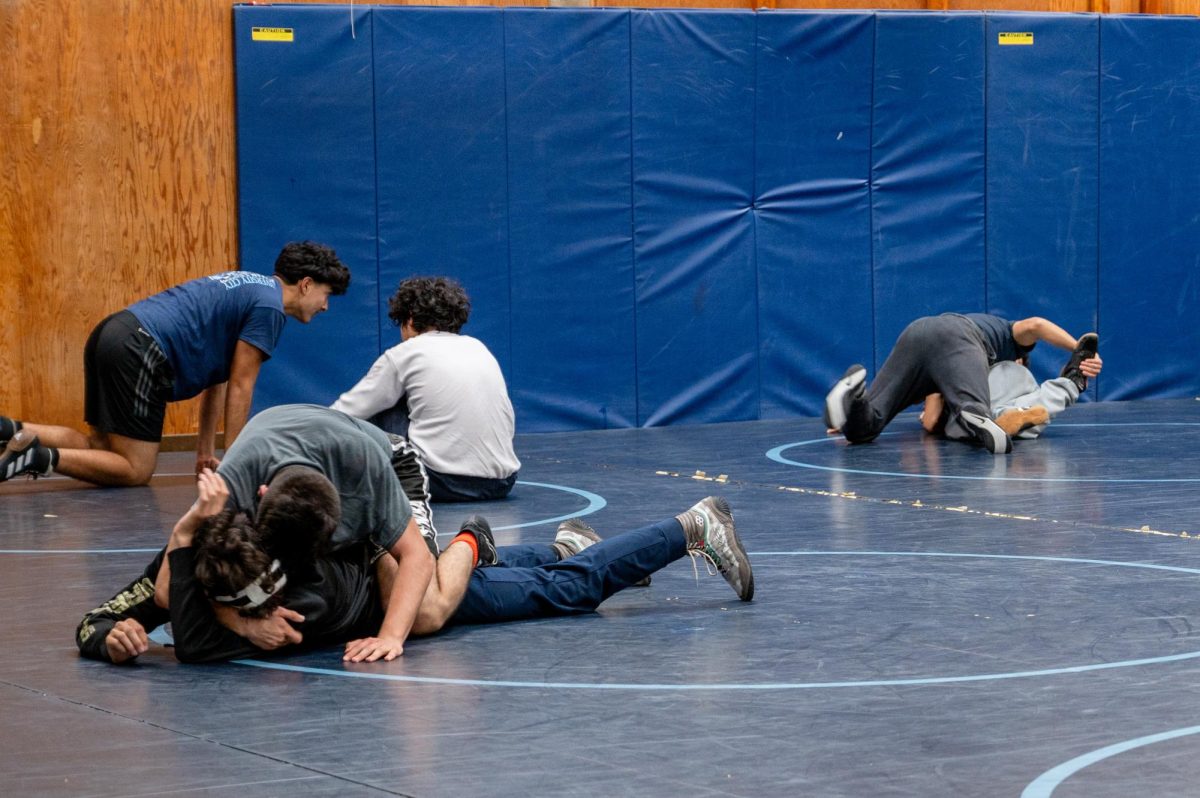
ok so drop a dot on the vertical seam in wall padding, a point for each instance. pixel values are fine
(987, 252)
(1099, 114)
(637, 392)
(871, 194)
(507, 190)
(754, 219)
(375, 145)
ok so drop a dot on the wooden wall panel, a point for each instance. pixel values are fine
(118, 172)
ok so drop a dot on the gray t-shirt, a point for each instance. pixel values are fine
(354, 455)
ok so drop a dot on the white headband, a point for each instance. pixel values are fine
(252, 595)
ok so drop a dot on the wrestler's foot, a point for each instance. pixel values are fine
(986, 432)
(478, 526)
(573, 537)
(842, 394)
(1084, 350)
(710, 534)
(25, 455)
(1019, 419)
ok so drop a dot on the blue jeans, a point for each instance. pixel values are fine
(531, 582)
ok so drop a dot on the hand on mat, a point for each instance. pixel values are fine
(369, 649)
(1091, 367)
(273, 631)
(126, 640)
(204, 461)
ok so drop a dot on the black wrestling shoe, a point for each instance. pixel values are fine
(843, 392)
(987, 432)
(25, 455)
(8, 428)
(1084, 350)
(478, 526)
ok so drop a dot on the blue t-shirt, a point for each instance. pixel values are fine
(998, 337)
(198, 325)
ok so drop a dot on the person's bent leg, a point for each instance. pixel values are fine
(961, 375)
(902, 381)
(121, 462)
(414, 481)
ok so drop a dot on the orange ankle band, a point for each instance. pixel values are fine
(469, 539)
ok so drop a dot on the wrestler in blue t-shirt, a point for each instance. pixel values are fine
(206, 337)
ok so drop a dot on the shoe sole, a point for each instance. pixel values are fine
(835, 400)
(726, 515)
(1014, 422)
(987, 432)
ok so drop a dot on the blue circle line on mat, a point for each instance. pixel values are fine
(1044, 785)
(717, 686)
(595, 503)
(776, 454)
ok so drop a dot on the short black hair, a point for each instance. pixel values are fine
(298, 515)
(432, 303)
(301, 259)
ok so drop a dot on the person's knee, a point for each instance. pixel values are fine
(431, 617)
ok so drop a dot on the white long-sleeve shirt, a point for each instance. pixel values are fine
(460, 416)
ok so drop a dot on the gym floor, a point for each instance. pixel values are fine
(929, 620)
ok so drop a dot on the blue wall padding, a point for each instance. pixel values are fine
(305, 113)
(1042, 127)
(443, 198)
(570, 218)
(690, 216)
(813, 225)
(928, 170)
(1149, 206)
(693, 181)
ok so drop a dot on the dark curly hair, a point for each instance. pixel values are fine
(298, 515)
(301, 259)
(433, 303)
(229, 556)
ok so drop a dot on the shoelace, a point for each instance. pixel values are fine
(710, 564)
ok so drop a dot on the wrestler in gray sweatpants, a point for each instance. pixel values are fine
(943, 354)
(1013, 386)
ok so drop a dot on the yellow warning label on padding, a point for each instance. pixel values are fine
(1016, 38)
(285, 34)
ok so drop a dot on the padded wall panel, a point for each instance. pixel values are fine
(1042, 126)
(1150, 207)
(306, 170)
(693, 177)
(441, 144)
(813, 226)
(927, 190)
(570, 222)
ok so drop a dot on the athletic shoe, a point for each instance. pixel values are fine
(478, 526)
(573, 537)
(8, 428)
(24, 455)
(715, 538)
(1019, 419)
(840, 396)
(987, 432)
(1084, 350)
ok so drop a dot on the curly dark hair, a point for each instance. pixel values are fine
(298, 515)
(301, 259)
(229, 556)
(433, 303)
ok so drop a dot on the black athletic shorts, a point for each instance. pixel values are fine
(127, 379)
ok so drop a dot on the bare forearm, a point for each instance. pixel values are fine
(237, 409)
(411, 580)
(210, 409)
(1029, 331)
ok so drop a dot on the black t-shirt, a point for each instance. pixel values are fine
(998, 338)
